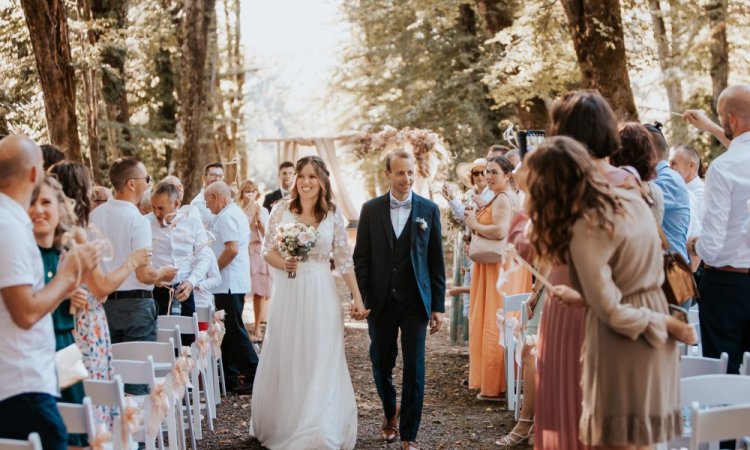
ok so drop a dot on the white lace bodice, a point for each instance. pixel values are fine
(332, 239)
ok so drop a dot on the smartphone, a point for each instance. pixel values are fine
(528, 140)
(678, 312)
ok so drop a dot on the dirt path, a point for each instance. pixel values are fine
(452, 416)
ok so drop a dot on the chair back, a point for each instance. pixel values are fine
(693, 315)
(721, 423)
(33, 443)
(135, 372)
(106, 393)
(745, 369)
(173, 335)
(161, 352)
(188, 325)
(708, 390)
(79, 419)
(514, 303)
(693, 366)
(205, 313)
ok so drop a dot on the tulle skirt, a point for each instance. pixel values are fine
(303, 396)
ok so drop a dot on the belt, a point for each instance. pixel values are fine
(137, 293)
(727, 269)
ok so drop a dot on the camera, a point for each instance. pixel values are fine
(528, 140)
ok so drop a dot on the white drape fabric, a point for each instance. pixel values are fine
(327, 150)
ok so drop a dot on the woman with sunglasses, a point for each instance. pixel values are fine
(486, 357)
(260, 274)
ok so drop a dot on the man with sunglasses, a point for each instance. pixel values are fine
(131, 311)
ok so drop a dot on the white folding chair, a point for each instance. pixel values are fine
(693, 366)
(142, 372)
(79, 419)
(721, 423)
(206, 314)
(709, 391)
(163, 355)
(693, 315)
(512, 304)
(745, 369)
(33, 443)
(111, 393)
(519, 366)
(189, 325)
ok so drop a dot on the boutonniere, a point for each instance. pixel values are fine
(422, 223)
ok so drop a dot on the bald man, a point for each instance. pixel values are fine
(725, 285)
(232, 231)
(28, 380)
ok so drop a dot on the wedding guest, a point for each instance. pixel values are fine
(209, 280)
(51, 218)
(131, 311)
(617, 265)
(187, 209)
(725, 285)
(176, 241)
(211, 173)
(260, 273)
(91, 331)
(585, 116)
(486, 357)
(676, 220)
(496, 150)
(637, 153)
(473, 177)
(28, 379)
(144, 205)
(52, 155)
(232, 232)
(687, 162)
(514, 156)
(99, 196)
(286, 182)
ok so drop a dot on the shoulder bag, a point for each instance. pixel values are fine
(484, 250)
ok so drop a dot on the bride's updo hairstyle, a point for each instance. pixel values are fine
(324, 205)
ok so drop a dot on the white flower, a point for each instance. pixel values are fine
(422, 223)
(303, 238)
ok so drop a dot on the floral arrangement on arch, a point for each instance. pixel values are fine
(423, 143)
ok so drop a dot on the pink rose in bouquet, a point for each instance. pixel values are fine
(295, 240)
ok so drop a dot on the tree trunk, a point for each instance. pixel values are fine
(114, 91)
(197, 17)
(497, 15)
(89, 77)
(717, 16)
(48, 28)
(596, 30)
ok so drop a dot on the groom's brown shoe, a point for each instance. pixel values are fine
(409, 445)
(390, 427)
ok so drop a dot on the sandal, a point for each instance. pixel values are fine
(390, 427)
(409, 445)
(486, 398)
(513, 439)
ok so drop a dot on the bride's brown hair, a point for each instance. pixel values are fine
(324, 205)
(564, 185)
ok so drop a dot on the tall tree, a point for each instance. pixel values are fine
(48, 27)
(497, 16)
(197, 18)
(596, 30)
(114, 92)
(717, 16)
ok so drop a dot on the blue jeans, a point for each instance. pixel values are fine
(29, 413)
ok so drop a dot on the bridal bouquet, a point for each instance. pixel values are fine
(295, 240)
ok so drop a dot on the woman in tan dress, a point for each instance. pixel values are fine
(609, 237)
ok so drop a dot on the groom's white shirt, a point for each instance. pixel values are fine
(399, 216)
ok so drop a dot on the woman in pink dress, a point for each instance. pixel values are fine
(260, 275)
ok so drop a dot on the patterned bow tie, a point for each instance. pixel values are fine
(395, 204)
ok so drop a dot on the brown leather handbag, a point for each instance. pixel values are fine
(679, 285)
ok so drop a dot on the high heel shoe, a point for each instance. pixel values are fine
(513, 439)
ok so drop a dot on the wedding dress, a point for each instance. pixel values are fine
(303, 396)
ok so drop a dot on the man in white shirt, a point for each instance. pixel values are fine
(211, 173)
(232, 237)
(28, 380)
(286, 181)
(188, 209)
(176, 241)
(131, 311)
(687, 162)
(725, 285)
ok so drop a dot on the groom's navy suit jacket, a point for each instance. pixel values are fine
(374, 253)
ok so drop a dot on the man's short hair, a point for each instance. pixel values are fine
(122, 170)
(693, 155)
(286, 164)
(52, 155)
(165, 187)
(213, 164)
(657, 137)
(400, 153)
(498, 148)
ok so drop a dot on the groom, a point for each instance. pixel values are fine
(398, 259)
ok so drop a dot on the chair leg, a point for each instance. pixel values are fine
(189, 418)
(196, 404)
(221, 378)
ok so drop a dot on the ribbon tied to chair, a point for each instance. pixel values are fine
(159, 408)
(217, 330)
(102, 437)
(180, 374)
(503, 323)
(203, 343)
(130, 419)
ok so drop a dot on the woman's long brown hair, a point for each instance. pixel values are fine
(564, 186)
(324, 205)
(68, 216)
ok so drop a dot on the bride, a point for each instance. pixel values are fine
(303, 396)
